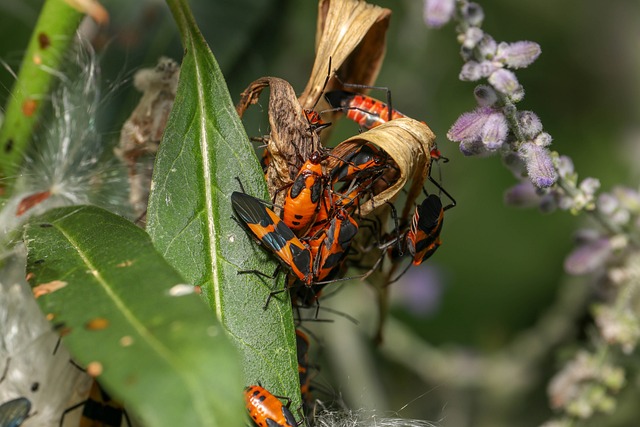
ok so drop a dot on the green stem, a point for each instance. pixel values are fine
(51, 37)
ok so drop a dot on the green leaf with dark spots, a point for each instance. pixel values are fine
(203, 150)
(117, 302)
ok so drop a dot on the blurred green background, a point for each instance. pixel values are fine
(499, 268)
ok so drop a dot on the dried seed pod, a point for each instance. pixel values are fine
(408, 142)
(291, 141)
(351, 33)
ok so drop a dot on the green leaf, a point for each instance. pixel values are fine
(51, 37)
(204, 149)
(164, 355)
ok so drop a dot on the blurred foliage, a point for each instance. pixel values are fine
(500, 268)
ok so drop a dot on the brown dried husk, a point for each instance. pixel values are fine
(350, 33)
(408, 142)
(291, 139)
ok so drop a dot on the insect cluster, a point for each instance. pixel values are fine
(329, 211)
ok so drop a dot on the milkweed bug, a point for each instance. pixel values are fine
(331, 247)
(14, 412)
(303, 197)
(368, 112)
(315, 121)
(274, 234)
(266, 409)
(366, 156)
(423, 237)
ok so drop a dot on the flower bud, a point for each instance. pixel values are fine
(543, 139)
(438, 12)
(539, 165)
(472, 148)
(504, 81)
(530, 124)
(469, 126)
(588, 257)
(485, 95)
(519, 54)
(487, 47)
(495, 131)
(473, 14)
(522, 195)
(472, 37)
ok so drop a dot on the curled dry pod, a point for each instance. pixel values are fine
(408, 142)
(351, 33)
(291, 140)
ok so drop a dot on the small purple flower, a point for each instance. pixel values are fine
(473, 14)
(629, 198)
(472, 70)
(607, 203)
(589, 186)
(469, 126)
(472, 37)
(504, 81)
(519, 54)
(530, 124)
(485, 124)
(438, 12)
(588, 257)
(539, 165)
(565, 166)
(485, 95)
(522, 195)
(472, 148)
(487, 47)
(543, 139)
(495, 131)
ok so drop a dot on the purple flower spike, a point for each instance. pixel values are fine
(504, 81)
(469, 126)
(438, 12)
(539, 165)
(495, 131)
(530, 124)
(519, 54)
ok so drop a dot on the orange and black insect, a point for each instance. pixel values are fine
(315, 121)
(266, 409)
(367, 157)
(368, 112)
(423, 237)
(330, 247)
(274, 234)
(303, 197)
(99, 410)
